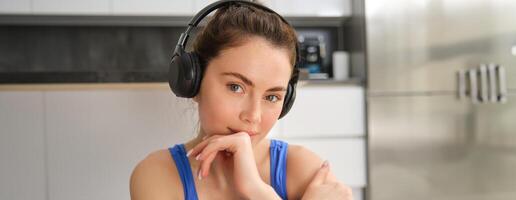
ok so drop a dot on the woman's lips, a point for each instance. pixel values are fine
(251, 133)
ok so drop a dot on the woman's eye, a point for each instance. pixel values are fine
(234, 87)
(272, 98)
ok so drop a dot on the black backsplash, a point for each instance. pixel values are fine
(84, 54)
(47, 54)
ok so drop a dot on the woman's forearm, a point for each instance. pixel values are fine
(264, 191)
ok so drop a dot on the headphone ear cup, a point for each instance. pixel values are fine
(184, 74)
(197, 73)
(290, 97)
(174, 74)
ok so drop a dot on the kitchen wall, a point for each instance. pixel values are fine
(83, 143)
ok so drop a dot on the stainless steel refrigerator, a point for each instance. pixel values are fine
(441, 99)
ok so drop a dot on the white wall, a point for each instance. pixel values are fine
(84, 144)
(22, 146)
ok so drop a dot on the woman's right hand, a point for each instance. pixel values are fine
(247, 179)
(325, 186)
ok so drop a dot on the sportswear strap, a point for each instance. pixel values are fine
(178, 153)
(278, 151)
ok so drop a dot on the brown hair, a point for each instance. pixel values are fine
(231, 25)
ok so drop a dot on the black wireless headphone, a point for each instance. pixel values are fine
(185, 72)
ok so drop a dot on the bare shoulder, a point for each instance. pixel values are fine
(302, 165)
(156, 177)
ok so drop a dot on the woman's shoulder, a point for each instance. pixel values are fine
(156, 177)
(302, 165)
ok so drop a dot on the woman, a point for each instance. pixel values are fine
(247, 55)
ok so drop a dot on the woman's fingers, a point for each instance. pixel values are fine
(204, 169)
(215, 145)
(331, 177)
(196, 149)
(321, 175)
(207, 150)
(324, 185)
(199, 147)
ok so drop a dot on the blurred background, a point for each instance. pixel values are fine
(406, 99)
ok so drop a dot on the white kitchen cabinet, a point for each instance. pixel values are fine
(325, 111)
(200, 4)
(358, 193)
(305, 8)
(153, 7)
(320, 8)
(22, 146)
(71, 7)
(15, 6)
(96, 138)
(346, 156)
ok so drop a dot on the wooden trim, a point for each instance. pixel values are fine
(84, 86)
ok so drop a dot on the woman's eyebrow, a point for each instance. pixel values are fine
(249, 82)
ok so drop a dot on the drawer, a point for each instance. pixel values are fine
(200, 4)
(71, 7)
(153, 7)
(322, 111)
(326, 8)
(15, 7)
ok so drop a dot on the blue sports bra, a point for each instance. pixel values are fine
(278, 156)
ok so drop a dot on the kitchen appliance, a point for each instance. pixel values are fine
(441, 99)
(313, 52)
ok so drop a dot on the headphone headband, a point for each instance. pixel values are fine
(210, 8)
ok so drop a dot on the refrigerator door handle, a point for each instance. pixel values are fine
(493, 98)
(483, 84)
(461, 83)
(502, 88)
(473, 89)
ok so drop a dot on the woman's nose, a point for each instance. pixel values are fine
(251, 112)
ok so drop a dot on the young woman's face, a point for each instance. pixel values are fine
(243, 89)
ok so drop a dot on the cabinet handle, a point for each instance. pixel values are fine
(483, 83)
(492, 83)
(502, 88)
(473, 89)
(461, 84)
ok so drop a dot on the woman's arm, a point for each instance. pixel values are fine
(308, 178)
(264, 191)
(305, 177)
(325, 186)
(155, 177)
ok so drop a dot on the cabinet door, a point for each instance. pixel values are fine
(97, 137)
(22, 146)
(71, 7)
(15, 6)
(325, 111)
(346, 157)
(200, 4)
(153, 7)
(333, 8)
